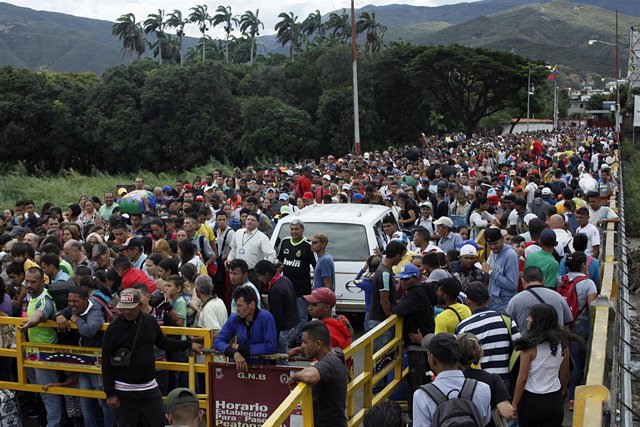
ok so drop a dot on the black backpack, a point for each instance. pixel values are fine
(59, 292)
(458, 412)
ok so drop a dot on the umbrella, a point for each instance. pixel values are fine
(137, 202)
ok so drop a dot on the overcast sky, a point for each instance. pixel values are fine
(110, 10)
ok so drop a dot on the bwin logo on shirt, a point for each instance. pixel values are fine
(292, 263)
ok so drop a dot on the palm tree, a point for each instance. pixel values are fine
(339, 25)
(155, 23)
(131, 34)
(373, 30)
(313, 24)
(250, 21)
(224, 15)
(200, 16)
(175, 20)
(289, 30)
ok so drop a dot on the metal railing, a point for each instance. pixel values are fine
(25, 354)
(364, 381)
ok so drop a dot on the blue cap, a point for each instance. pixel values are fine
(357, 196)
(400, 236)
(408, 271)
(166, 188)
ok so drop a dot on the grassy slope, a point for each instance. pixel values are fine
(631, 159)
(67, 187)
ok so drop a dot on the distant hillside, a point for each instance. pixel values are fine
(550, 30)
(555, 32)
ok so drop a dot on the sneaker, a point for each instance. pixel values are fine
(571, 405)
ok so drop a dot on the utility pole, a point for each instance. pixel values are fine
(617, 112)
(354, 57)
(528, 96)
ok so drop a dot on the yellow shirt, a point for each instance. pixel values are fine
(447, 321)
(207, 232)
(406, 259)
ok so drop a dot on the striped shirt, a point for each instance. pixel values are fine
(490, 328)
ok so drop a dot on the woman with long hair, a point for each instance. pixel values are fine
(544, 369)
(478, 218)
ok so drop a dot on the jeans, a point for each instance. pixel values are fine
(499, 304)
(377, 345)
(284, 337)
(303, 312)
(53, 403)
(178, 378)
(141, 408)
(579, 355)
(91, 408)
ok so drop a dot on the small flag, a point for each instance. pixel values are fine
(553, 73)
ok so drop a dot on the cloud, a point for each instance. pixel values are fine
(269, 9)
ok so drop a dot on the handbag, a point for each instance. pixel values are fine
(122, 356)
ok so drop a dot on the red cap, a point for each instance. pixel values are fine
(307, 195)
(200, 199)
(188, 187)
(324, 295)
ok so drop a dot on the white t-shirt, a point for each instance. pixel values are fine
(213, 315)
(594, 237)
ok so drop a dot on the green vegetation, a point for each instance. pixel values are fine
(631, 164)
(66, 187)
(147, 116)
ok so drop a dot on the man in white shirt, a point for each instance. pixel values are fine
(213, 312)
(250, 244)
(592, 232)
(600, 215)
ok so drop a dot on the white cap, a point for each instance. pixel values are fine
(443, 220)
(529, 217)
(468, 250)
(346, 187)
(546, 191)
(426, 204)
(327, 177)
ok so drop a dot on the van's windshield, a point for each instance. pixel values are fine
(347, 242)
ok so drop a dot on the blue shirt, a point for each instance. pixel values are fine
(256, 339)
(61, 277)
(503, 280)
(448, 242)
(324, 268)
(424, 408)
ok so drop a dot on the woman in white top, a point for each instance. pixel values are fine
(479, 218)
(544, 370)
(586, 292)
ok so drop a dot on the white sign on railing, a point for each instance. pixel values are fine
(636, 111)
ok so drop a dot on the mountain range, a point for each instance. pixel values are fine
(549, 30)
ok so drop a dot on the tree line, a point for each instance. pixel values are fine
(290, 30)
(145, 115)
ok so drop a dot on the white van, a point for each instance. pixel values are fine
(354, 232)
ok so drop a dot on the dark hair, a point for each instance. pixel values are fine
(51, 240)
(582, 211)
(83, 270)
(37, 270)
(544, 328)
(385, 414)
(580, 242)
(75, 209)
(517, 239)
(265, 267)
(170, 265)
(575, 260)
(177, 279)
(423, 232)
(431, 259)
(317, 330)
(188, 250)
(51, 259)
(19, 249)
(82, 292)
(188, 271)
(389, 219)
(394, 248)
(239, 263)
(536, 226)
(15, 268)
(2, 291)
(533, 274)
(521, 201)
(142, 288)
(246, 293)
(122, 262)
(450, 286)
(156, 258)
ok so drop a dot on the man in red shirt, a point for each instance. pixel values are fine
(131, 276)
(321, 302)
(303, 184)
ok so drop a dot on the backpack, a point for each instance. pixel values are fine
(458, 412)
(568, 291)
(59, 292)
(108, 313)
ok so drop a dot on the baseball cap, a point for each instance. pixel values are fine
(548, 238)
(200, 199)
(477, 292)
(468, 250)
(444, 221)
(546, 191)
(528, 217)
(346, 187)
(400, 236)
(426, 205)
(166, 188)
(98, 250)
(324, 295)
(492, 234)
(129, 298)
(283, 196)
(443, 346)
(178, 396)
(122, 191)
(467, 242)
(327, 177)
(408, 271)
(357, 196)
(285, 210)
(307, 195)
(132, 242)
(17, 230)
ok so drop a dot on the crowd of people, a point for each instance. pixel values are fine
(497, 334)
